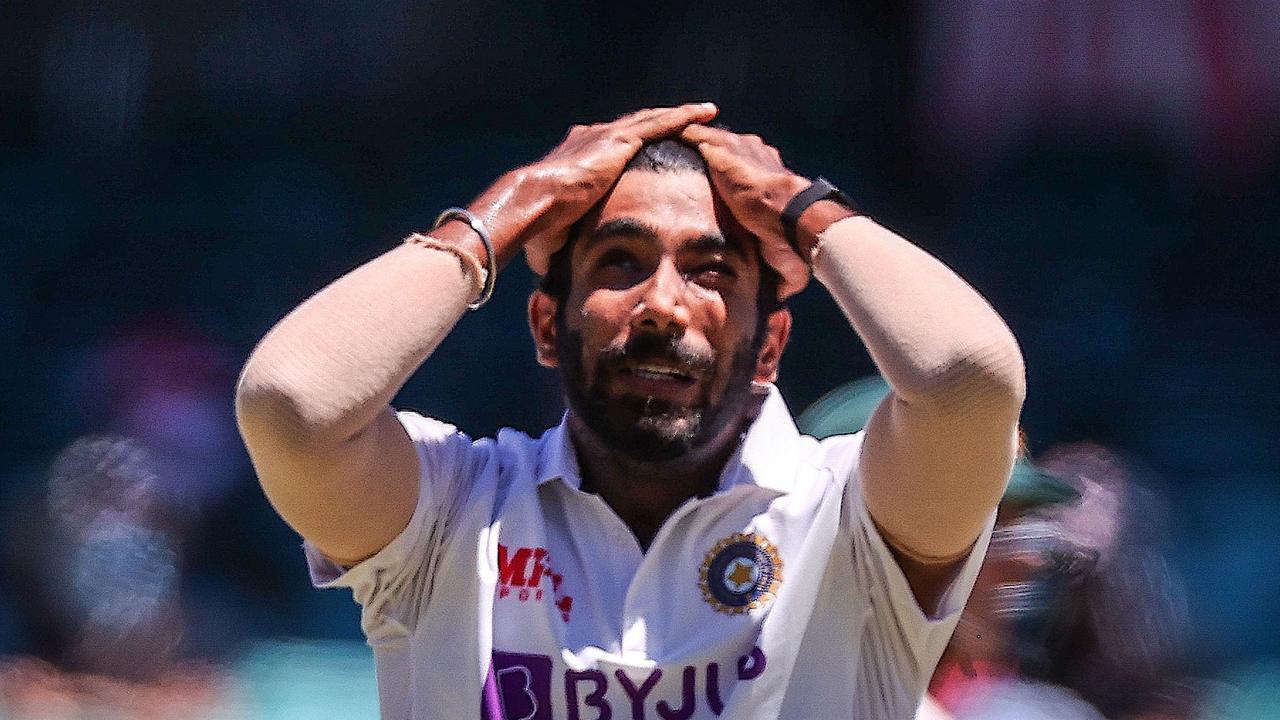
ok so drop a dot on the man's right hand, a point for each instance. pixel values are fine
(535, 206)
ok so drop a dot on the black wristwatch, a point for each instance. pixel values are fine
(821, 189)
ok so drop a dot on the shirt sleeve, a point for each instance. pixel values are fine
(895, 614)
(392, 585)
(901, 643)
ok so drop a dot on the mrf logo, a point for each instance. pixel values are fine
(525, 572)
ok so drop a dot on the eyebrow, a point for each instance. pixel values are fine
(715, 242)
(633, 228)
(621, 227)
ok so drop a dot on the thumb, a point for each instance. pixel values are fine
(794, 274)
(539, 249)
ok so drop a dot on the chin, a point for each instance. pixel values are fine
(642, 431)
(647, 429)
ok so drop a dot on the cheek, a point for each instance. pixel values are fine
(715, 310)
(725, 319)
(736, 321)
(608, 306)
(600, 321)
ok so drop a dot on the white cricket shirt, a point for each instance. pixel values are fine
(513, 594)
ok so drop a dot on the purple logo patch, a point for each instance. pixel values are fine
(523, 685)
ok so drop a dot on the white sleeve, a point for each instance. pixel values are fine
(894, 606)
(900, 640)
(391, 586)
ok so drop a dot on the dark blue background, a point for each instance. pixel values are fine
(194, 171)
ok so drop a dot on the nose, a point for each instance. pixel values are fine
(662, 308)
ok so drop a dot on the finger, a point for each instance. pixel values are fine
(792, 271)
(719, 159)
(632, 118)
(630, 121)
(539, 249)
(669, 120)
(697, 134)
(793, 283)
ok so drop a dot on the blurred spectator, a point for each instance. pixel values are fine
(112, 613)
(101, 554)
(983, 674)
(103, 561)
(1076, 613)
(166, 385)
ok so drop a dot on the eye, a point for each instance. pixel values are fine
(618, 258)
(713, 273)
(618, 268)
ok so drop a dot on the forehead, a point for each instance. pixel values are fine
(681, 206)
(675, 197)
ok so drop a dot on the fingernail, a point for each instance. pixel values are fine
(709, 105)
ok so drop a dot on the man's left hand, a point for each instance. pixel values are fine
(755, 185)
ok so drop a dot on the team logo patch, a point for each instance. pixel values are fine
(741, 573)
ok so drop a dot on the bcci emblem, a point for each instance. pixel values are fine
(741, 573)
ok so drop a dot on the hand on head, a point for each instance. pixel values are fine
(750, 177)
(580, 170)
(535, 207)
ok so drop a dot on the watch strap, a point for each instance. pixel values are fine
(820, 189)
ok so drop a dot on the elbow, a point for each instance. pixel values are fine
(260, 409)
(994, 376)
(292, 409)
(991, 376)
(269, 412)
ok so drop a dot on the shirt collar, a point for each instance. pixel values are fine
(557, 459)
(767, 457)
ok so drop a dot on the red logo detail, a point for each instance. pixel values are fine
(521, 573)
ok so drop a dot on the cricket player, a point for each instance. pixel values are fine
(675, 548)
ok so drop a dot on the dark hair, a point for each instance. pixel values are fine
(669, 155)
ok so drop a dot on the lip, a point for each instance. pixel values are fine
(658, 381)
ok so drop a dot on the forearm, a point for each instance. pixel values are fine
(937, 452)
(326, 370)
(312, 402)
(933, 336)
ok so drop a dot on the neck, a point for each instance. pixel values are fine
(645, 494)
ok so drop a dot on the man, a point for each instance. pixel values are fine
(673, 549)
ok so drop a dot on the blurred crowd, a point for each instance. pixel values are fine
(175, 177)
(1077, 613)
(141, 566)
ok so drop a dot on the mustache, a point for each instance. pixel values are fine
(655, 348)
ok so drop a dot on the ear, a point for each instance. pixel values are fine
(542, 325)
(777, 330)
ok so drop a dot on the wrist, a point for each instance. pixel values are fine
(815, 220)
(458, 233)
(508, 208)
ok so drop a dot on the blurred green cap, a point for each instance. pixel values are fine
(847, 408)
(844, 410)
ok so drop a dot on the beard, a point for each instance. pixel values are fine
(647, 429)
